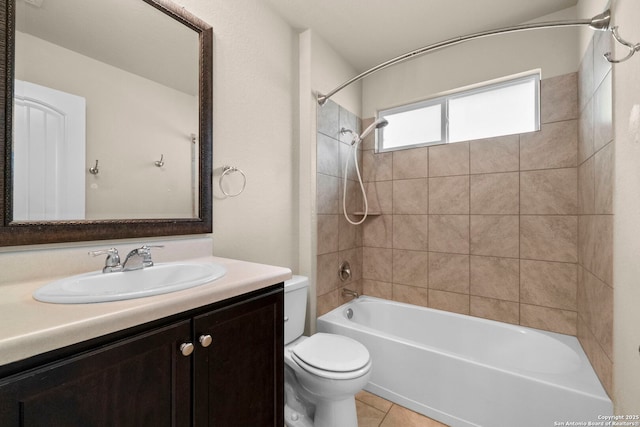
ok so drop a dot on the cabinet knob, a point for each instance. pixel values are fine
(186, 348)
(205, 340)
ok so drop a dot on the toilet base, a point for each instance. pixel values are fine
(332, 413)
(298, 410)
(294, 418)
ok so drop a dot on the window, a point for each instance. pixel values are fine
(504, 108)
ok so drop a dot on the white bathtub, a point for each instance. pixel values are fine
(467, 371)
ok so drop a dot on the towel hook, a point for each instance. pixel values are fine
(160, 163)
(94, 169)
(633, 48)
(226, 170)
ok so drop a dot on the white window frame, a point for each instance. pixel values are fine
(443, 100)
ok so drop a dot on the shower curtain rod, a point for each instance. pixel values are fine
(599, 22)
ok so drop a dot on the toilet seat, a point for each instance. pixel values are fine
(332, 356)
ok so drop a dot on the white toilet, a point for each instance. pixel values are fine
(322, 372)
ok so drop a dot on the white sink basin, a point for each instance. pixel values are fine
(155, 280)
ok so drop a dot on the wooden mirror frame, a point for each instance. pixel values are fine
(40, 232)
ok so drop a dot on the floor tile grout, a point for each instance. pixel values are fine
(388, 411)
(386, 414)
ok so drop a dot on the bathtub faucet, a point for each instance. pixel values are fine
(349, 293)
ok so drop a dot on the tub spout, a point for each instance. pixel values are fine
(349, 293)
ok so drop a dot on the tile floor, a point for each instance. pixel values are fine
(374, 411)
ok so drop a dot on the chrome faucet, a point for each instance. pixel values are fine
(139, 258)
(112, 263)
(135, 260)
(349, 293)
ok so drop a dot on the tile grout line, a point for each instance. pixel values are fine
(377, 409)
(386, 415)
(469, 225)
(520, 230)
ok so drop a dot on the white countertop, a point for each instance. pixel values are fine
(29, 327)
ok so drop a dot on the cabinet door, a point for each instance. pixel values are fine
(140, 381)
(239, 377)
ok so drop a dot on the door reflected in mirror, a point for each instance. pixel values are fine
(137, 71)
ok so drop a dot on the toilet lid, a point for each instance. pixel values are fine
(330, 352)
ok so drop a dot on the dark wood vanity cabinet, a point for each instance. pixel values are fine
(139, 381)
(235, 378)
(239, 377)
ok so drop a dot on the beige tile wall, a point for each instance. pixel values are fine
(516, 228)
(487, 228)
(338, 240)
(595, 209)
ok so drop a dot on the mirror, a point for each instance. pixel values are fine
(135, 160)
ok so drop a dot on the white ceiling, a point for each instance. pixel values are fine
(368, 32)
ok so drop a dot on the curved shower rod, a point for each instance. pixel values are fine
(599, 22)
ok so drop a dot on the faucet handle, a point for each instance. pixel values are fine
(111, 252)
(146, 249)
(151, 246)
(112, 263)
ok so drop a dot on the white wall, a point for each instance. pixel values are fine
(254, 107)
(307, 228)
(131, 122)
(329, 70)
(626, 95)
(552, 50)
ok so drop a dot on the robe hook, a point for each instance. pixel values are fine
(160, 163)
(94, 169)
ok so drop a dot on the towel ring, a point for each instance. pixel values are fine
(226, 170)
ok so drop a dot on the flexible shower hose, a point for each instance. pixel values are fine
(354, 150)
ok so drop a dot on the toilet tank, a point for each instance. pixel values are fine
(295, 307)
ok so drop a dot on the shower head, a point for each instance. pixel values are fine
(379, 123)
